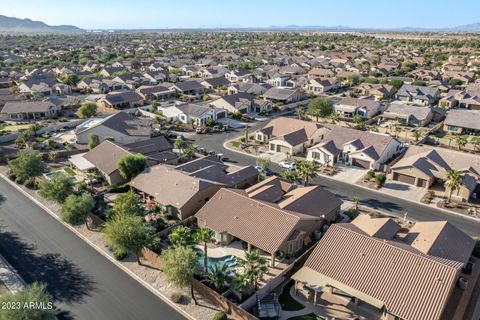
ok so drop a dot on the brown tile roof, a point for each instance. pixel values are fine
(232, 211)
(105, 156)
(282, 126)
(440, 239)
(340, 136)
(169, 186)
(411, 285)
(384, 228)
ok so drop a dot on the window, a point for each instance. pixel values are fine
(316, 155)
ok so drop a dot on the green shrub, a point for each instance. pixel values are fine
(352, 214)
(370, 175)
(176, 297)
(30, 183)
(380, 179)
(220, 315)
(119, 254)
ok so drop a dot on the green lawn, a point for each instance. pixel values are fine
(286, 301)
(236, 144)
(15, 127)
(310, 316)
(69, 171)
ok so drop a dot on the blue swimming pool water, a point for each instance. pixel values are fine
(229, 260)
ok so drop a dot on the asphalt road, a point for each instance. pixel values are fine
(345, 191)
(83, 283)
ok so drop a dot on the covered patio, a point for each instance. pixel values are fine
(325, 297)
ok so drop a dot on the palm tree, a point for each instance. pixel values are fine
(218, 275)
(461, 141)
(356, 201)
(241, 285)
(192, 123)
(416, 134)
(307, 170)
(181, 236)
(289, 176)
(398, 129)
(476, 142)
(301, 112)
(204, 235)
(34, 128)
(335, 117)
(453, 182)
(255, 266)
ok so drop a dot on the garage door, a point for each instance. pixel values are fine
(422, 183)
(361, 163)
(282, 149)
(403, 178)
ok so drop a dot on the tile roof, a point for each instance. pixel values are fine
(410, 284)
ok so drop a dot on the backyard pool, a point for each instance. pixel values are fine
(230, 261)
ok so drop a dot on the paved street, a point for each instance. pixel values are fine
(84, 284)
(346, 191)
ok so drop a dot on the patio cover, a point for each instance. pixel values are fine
(80, 162)
(318, 281)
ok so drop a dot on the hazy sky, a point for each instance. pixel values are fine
(130, 14)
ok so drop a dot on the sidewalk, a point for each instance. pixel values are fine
(9, 277)
(152, 279)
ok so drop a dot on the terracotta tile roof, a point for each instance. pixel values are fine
(440, 239)
(410, 284)
(232, 211)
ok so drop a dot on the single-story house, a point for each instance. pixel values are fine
(189, 88)
(291, 214)
(461, 121)
(369, 150)
(283, 95)
(321, 85)
(425, 166)
(239, 75)
(364, 107)
(461, 99)
(238, 102)
(408, 114)
(412, 277)
(29, 110)
(257, 89)
(426, 96)
(122, 100)
(379, 91)
(183, 190)
(199, 113)
(104, 157)
(122, 127)
(291, 136)
(215, 84)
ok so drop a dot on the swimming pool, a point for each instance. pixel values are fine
(230, 261)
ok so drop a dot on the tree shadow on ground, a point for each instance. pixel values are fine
(65, 281)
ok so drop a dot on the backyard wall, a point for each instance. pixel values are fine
(70, 124)
(235, 311)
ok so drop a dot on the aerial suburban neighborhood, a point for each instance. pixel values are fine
(220, 166)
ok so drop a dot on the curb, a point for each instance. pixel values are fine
(19, 280)
(100, 250)
(360, 186)
(414, 202)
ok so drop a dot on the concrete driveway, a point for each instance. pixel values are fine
(274, 156)
(232, 123)
(403, 190)
(349, 174)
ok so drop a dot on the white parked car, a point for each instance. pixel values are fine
(288, 165)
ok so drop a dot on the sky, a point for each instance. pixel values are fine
(155, 14)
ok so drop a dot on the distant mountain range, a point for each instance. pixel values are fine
(10, 24)
(473, 27)
(13, 25)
